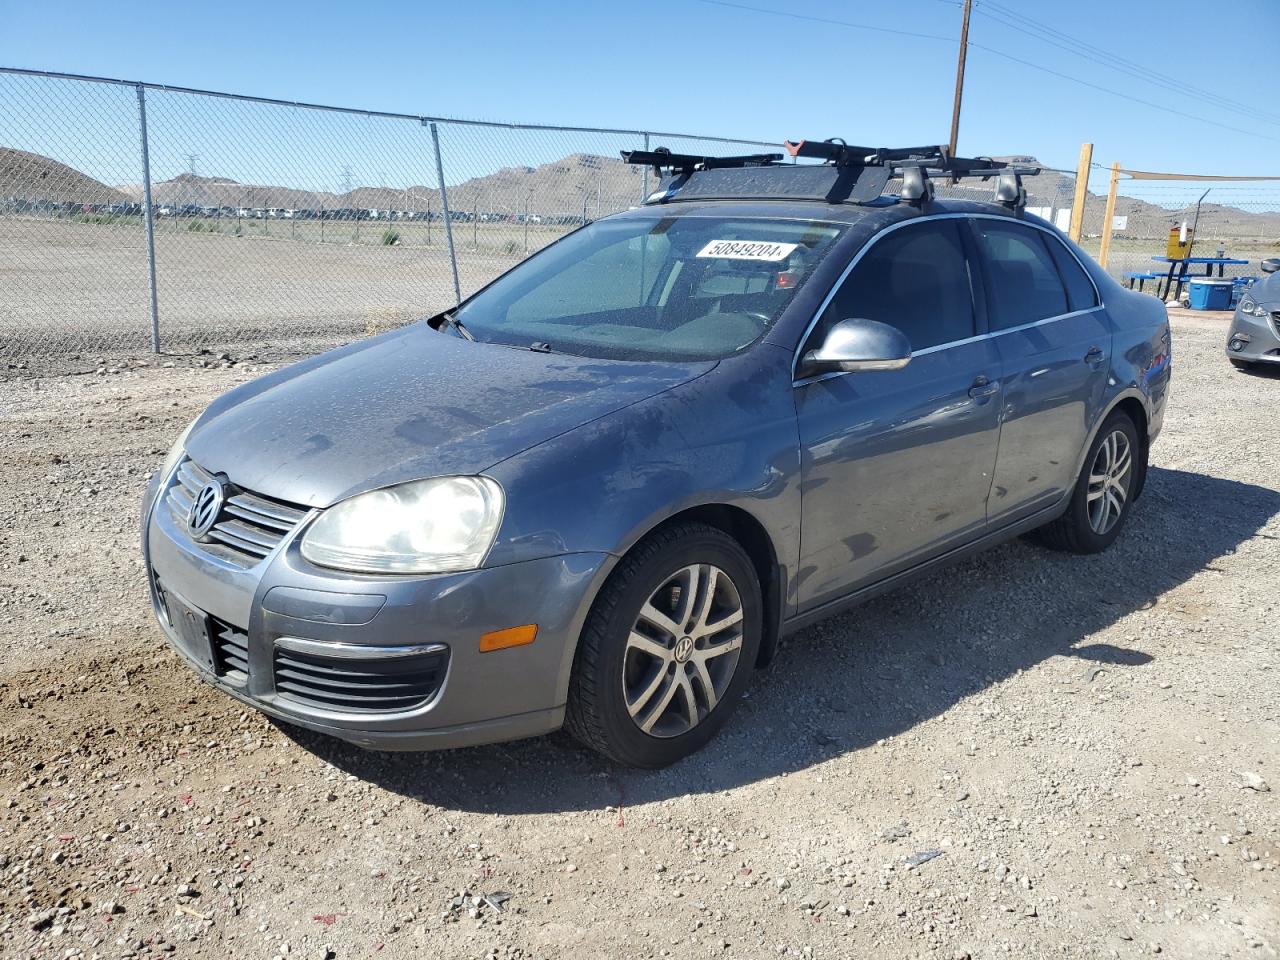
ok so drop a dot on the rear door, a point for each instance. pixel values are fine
(1054, 343)
(897, 463)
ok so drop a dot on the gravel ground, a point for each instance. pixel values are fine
(67, 287)
(1030, 755)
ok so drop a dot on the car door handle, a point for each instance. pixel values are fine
(1094, 356)
(982, 387)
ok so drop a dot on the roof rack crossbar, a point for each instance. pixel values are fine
(663, 159)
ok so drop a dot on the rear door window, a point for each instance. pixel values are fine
(1023, 285)
(916, 279)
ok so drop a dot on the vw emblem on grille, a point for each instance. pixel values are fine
(206, 507)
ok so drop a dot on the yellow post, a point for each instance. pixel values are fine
(1082, 191)
(1109, 216)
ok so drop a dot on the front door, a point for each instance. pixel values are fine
(897, 464)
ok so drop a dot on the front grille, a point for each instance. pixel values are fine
(249, 526)
(230, 650)
(359, 686)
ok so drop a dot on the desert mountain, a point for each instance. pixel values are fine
(562, 188)
(38, 179)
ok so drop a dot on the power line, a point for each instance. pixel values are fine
(1038, 30)
(834, 23)
(988, 49)
(1116, 93)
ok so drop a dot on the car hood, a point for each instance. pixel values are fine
(406, 405)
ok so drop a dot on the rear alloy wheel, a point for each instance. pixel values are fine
(1104, 491)
(668, 647)
(1110, 478)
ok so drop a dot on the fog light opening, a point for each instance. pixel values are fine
(1237, 344)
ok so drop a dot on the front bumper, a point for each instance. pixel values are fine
(1259, 338)
(283, 618)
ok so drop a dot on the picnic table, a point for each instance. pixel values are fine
(1178, 271)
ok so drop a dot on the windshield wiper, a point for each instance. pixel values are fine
(540, 346)
(454, 322)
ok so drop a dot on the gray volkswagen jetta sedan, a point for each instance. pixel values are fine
(599, 492)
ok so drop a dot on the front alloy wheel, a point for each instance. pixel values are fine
(682, 651)
(668, 647)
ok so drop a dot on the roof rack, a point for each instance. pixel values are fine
(663, 159)
(848, 174)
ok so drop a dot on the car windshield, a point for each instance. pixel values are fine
(677, 288)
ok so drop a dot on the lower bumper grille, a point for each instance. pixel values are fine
(358, 686)
(230, 650)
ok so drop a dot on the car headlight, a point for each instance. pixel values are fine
(175, 452)
(1249, 307)
(428, 526)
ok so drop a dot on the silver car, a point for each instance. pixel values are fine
(1255, 328)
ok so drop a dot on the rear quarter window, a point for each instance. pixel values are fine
(1081, 294)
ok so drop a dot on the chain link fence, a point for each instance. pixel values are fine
(1238, 220)
(275, 226)
(289, 227)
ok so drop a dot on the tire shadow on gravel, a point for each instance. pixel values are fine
(878, 670)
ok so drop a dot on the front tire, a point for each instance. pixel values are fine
(668, 647)
(1240, 364)
(1101, 501)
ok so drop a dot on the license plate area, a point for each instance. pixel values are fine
(190, 625)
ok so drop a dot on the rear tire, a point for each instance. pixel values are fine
(1103, 496)
(668, 647)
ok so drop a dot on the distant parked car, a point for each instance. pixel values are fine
(1255, 328)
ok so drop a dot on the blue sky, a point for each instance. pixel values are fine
(697, 66)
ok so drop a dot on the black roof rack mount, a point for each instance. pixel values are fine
(663, 159)
(847, 174)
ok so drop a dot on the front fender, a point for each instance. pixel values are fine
(728, 438)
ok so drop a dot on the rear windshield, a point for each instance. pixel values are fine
(681, 288)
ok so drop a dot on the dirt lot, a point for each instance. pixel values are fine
(1032, 755)
(83, 287)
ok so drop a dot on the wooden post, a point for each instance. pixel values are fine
(955, 106)
(1082, 191)
(1109, 216)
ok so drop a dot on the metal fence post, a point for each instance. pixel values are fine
(444, 207)
(147, 217)
(644, 186)
(1082, 191)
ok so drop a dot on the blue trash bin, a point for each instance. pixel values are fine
(1209, 294)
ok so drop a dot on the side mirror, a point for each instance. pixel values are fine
(856, 345)
(1270, 265)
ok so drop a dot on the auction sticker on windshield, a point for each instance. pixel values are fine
(747, 250)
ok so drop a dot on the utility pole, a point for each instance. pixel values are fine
(964, 49)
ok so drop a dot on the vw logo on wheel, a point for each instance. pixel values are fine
(206, 507)
(684, 649)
